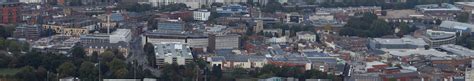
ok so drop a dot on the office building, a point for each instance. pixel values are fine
(457, 50)
(453, 26)
(31, 32)
(172, 52)
(231, 41)
(397, 43)
(306, 36)
(9, 12)
(120, 35)
(438, 38)
(201, 15)
(122, 47)
(171, 26)
(443, 11)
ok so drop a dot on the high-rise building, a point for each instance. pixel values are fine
(31, 32)
(10, 12)
(169, 53)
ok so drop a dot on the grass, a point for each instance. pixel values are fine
(8, 71)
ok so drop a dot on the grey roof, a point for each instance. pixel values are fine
(410, 41)
(456, 25)
(458, 50)
(172, 50)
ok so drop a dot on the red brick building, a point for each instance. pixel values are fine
(9, 13)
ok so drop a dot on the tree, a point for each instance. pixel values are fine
(150, 54)
(173, 7)
(463, 17)
(107, 56)
(239, 72)
(272, 6)
(41, 73)
(217, 71)
(121, 73)
(366, 26)
(27, 73)
(88, 72)
(116, 64)
(78, 52)
(67, 69)
(403, 29)
(6, 32)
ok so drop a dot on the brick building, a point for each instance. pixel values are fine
(9, 13)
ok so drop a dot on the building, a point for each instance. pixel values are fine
(72, 25)
(443, 11)
(57, 43)
(231, 41)
(193, 40)
(232, 9)
(407, 16)
(201, 15)
(438, 38)
(466, 6)
(457, 50)
(120, 35)
(454, 26)
(397, 43)
(306, 36)
(238, 61)
(172, 52)
(259, 27)
(193, 4)
(122, 47)
(94, 38)
(171, 26)
(30, 1)
(31, 32)
(375, 66)
(10, 13)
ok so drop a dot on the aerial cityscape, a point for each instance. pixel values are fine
(236, 40)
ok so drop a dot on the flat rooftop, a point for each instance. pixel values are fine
(405, 40)
(458, 50)
(172, 49)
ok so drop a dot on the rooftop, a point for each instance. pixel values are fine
(430, 52)
(465, 3)
(458, 50)
(405, 40)
(456, 25)
(172, 49)
(438, 7)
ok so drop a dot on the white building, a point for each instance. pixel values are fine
(225, 41)
(201, 15)
(307, 36)
(30, 1)
(282, 39)
(172, 52)
(120, 35)
(193, 4)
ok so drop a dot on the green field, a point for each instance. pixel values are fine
(8, 71)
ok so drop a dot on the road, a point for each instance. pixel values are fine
(137, 54)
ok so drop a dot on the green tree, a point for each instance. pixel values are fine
(66, 69)
(463, 17)
(239, 72)
(27, 73)
(88, 72)
(217, 71)
(272, 6)
(121, 73)
(116, 64)
(150, 54)
(107, 56)
(78, 52)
